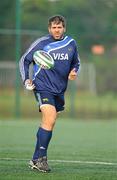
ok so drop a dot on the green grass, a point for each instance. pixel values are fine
(73, 140)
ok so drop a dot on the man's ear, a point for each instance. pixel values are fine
(64, 30)
(49, 29)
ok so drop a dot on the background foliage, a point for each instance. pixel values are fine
(89, 22)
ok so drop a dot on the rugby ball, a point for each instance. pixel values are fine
(43, 59)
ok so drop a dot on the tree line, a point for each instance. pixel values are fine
(89, 22)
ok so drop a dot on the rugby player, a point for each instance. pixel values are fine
(49, 86)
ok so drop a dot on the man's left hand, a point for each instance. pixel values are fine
(72, 74)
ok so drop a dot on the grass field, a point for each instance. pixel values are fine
(79, 150)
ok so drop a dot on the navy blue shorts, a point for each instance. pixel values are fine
(48, 98)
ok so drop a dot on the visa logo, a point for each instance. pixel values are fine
(60, 56)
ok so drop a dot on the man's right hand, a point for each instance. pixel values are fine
(29, 84)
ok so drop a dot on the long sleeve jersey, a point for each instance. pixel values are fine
(65, 55)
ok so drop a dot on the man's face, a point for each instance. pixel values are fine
(56, 30)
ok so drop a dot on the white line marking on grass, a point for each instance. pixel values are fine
(84, 162)
(66, 161)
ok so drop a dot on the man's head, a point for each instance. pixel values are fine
(57, 26)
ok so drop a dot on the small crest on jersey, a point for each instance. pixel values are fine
(70, 49)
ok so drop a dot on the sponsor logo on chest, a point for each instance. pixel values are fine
(60, 56)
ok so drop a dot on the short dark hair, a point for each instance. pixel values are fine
(57, 19)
